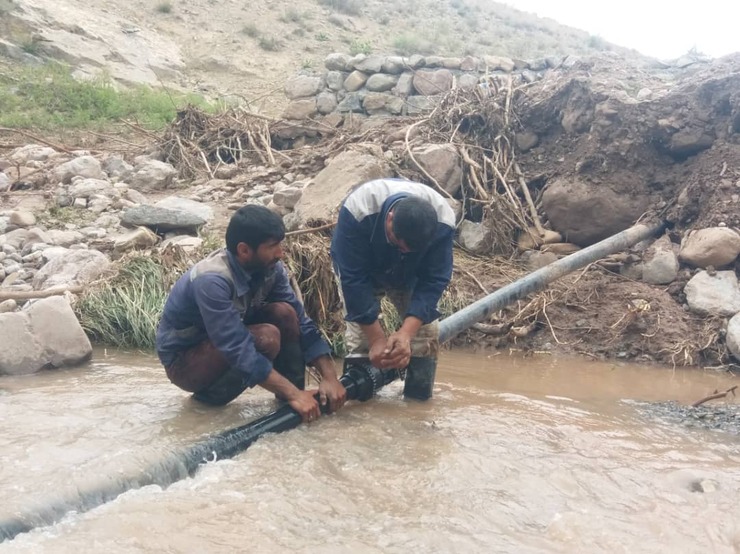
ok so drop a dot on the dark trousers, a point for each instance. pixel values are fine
(274, 328)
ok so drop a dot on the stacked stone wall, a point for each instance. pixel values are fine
(395, 85)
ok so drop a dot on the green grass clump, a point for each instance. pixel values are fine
(164, 7)
(48, 97)
(125, 310)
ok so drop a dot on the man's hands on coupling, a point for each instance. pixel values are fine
(393, 352)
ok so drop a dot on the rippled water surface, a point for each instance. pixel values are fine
(512, 455)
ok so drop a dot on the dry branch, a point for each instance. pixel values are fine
(716, 396)
(32, 294)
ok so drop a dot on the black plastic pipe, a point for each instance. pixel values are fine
(361, 380)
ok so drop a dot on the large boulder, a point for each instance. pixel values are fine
(432, 82)
(84, 166)
(475, 237)
(303, 86)
(321, 198)
(442, 162)
(717, 294)
(153, 175)
(584, 214)
(46, 335)
(161, 219)
(715, 246)
(203, 211)
(78, 267)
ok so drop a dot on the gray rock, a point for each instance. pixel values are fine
(494, 63)
(381, 82)
(287, 197)
(717, 294)
(475, 237)
(31, 153)
(370, 64)
(660, 263)
(21, 351)
(733, 336)
(4, 183)
(22, 218)
(299, 110)
(379, 103)
(198, 209)
(84, 166)
(355, 81)
(87, 188)
(303, 86)
(442, 162)
(116, 168)
(134, 196)
(405, 85)
(58, 237)
(153, 175)
(7, 306)
(584, 214)
(467, 81)
(335, 80)
(55, 326)
(326, 102)
(429, 83)
(161, 219)
(352, 102)
(16, 239)
(394, 65)
(526, 140)
(186, 242)
(322, 197)
(715, 246)
(139, 238)
(337, 62)
(78, 267)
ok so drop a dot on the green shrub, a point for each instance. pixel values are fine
(358, 46)
(408, 44)
(164, 7)
(291, 15)
(322, 37)
(251, 30)
(271, 44)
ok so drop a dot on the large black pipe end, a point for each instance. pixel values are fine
(362, 380)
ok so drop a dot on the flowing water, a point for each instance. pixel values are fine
(514, 454)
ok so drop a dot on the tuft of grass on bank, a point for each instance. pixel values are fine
(124, 311)
(48, 97)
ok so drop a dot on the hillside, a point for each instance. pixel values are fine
(236, 49)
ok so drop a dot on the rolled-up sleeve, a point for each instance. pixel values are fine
(435, 272)
(350, 251)
(225, 329)
(312, 343)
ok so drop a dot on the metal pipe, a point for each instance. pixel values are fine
(537, 280)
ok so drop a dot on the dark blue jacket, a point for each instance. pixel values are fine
(211, 300)
(366, 261)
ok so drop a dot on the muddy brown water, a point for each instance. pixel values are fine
(514, 454)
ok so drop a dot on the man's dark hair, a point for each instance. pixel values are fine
(254, 225)
(414, 222)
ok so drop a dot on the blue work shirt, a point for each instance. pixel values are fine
(212, 299)
(365, 260)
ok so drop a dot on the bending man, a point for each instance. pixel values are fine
(232, 321)
(394, 238)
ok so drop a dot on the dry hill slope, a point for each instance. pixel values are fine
(234, 48)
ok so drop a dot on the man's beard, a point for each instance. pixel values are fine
(259, 266)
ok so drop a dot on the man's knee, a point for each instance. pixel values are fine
(283, 316)
(266, 339)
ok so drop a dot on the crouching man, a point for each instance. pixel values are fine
(232, 321)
